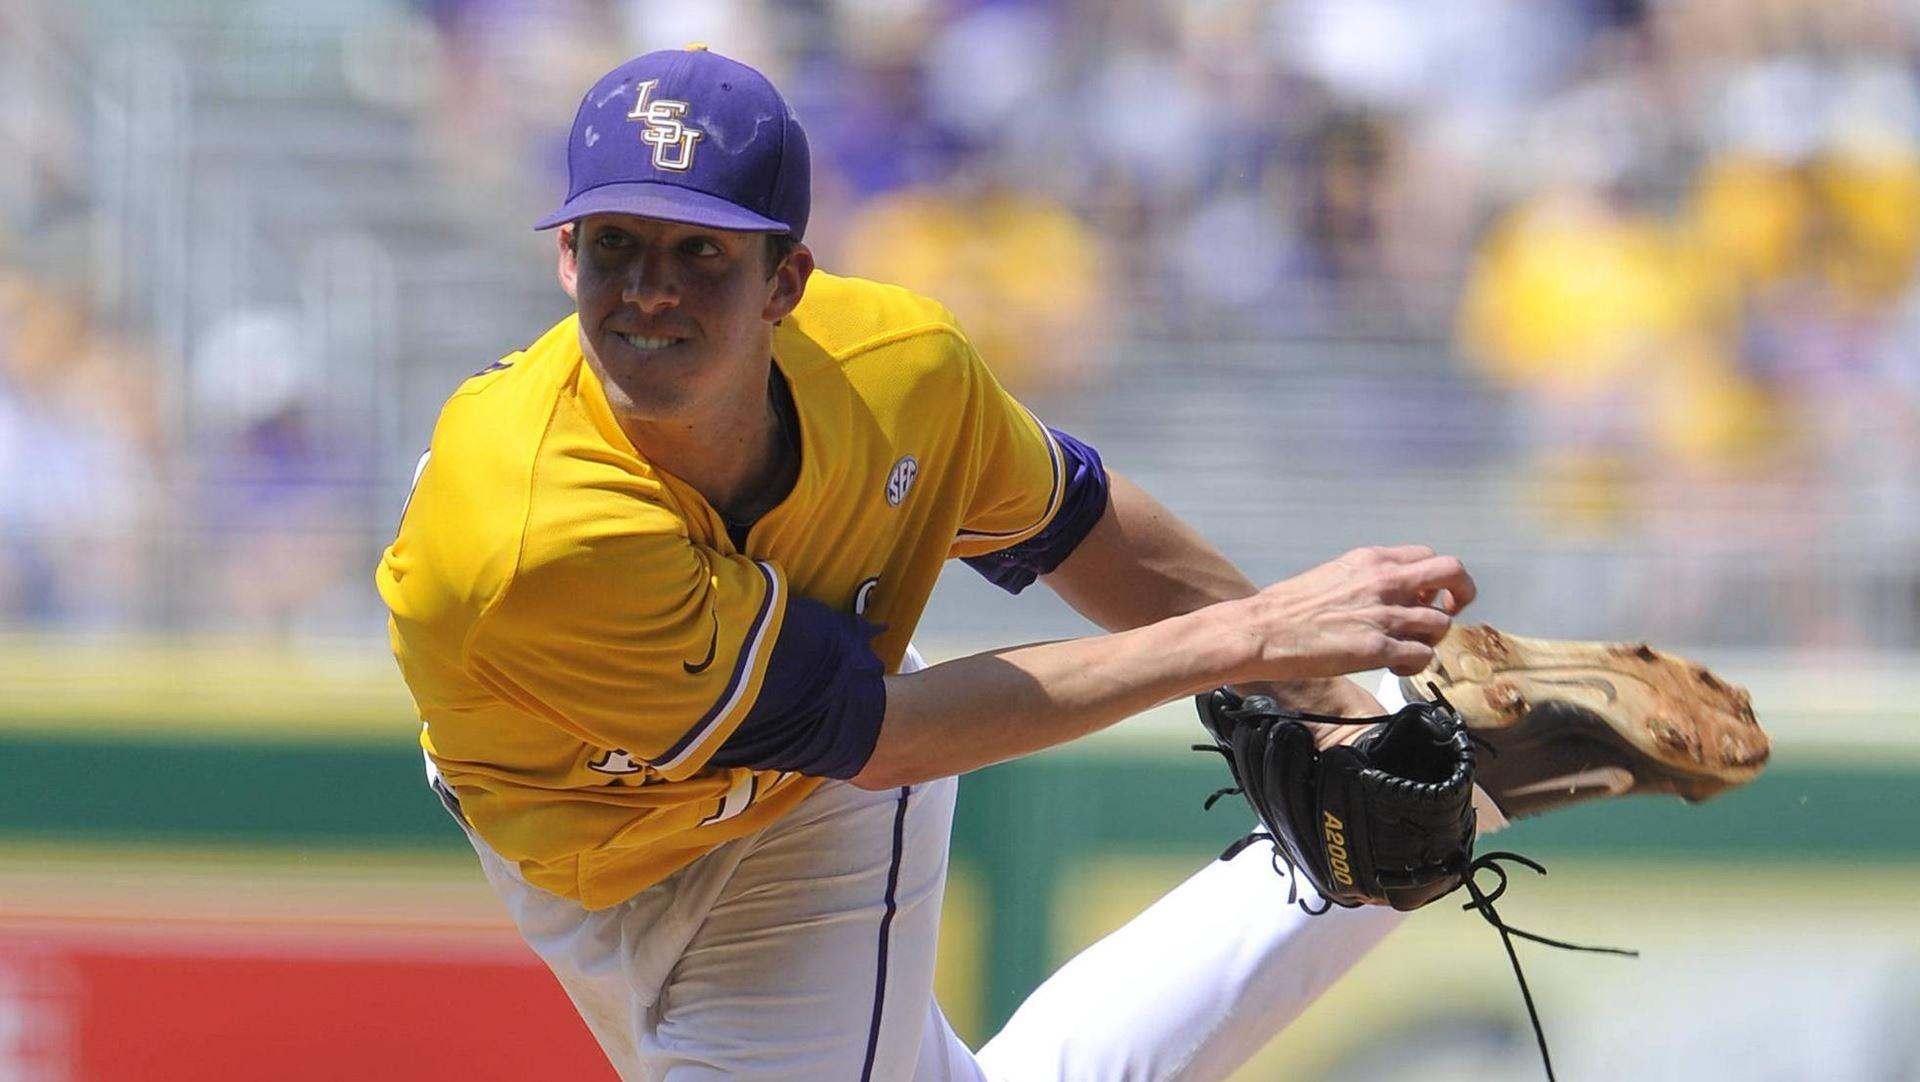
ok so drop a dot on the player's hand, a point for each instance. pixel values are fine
(1372, 608)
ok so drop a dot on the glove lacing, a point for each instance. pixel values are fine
(1279, 858)
(1482, 902)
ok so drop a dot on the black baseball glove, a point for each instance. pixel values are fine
(1386, 819)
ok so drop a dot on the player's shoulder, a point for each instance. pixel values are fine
(520, 474)
(495, 419)
(527, 378)
(845, 319)
(459, 537)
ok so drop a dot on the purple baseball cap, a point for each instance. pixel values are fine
(685, 135)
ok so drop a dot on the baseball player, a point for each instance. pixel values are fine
(654, 593)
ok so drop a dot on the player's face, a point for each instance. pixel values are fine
(677, 318)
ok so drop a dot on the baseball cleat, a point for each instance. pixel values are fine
(1568, 722)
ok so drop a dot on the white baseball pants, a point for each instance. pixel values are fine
(806, 952)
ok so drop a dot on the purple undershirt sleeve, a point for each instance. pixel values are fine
(821, 701)
(1014, 568)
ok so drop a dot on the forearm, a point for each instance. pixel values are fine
(976, 711)
(1141, 563)
(1366, 609)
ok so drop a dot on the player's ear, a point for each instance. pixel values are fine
(789, 283)
(568, 237)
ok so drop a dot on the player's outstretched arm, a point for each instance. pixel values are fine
(1367, 609)
(1141, 563)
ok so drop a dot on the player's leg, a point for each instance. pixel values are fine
(1193, 986)
(611, 962)
(1189, 989)
(816, 959)
(763, 960)
(804, 951)
(944, 1057)
(779, 979)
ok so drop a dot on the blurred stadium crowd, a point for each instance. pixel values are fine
(1668, 245)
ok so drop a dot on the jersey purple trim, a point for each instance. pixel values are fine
(1014, 568)
(820, 702)
(749, 649)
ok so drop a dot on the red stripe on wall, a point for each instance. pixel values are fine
(122, 1008)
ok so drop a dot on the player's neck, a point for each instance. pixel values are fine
(739, 456)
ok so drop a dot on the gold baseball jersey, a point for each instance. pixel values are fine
(580, 632)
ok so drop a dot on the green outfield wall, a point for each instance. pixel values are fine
(305, 762)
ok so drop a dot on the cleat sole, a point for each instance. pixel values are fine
(1592, 715)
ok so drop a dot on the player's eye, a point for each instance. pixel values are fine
(611, 240)
(699, 246)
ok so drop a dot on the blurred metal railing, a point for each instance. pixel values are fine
(254, 176)
(250, 168)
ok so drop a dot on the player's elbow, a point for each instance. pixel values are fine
(876, 776)
(907, 749)
(886, 768)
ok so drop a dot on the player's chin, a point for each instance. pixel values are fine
(650, 372)
(649, 388)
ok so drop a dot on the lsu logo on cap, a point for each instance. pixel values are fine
(671, 140)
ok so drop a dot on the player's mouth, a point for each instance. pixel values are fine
(644, 343)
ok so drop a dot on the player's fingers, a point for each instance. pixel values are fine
(1397, 554)
(1420, 623)
(1407, 658)
(1459, 595)
(1432, 577)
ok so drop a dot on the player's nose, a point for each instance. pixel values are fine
(649, 284)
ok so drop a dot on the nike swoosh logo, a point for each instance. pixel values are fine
(1614, 779)
(705, 662)
(1598, 683)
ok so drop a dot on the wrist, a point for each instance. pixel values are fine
(1227, 651)
(1334, 696)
